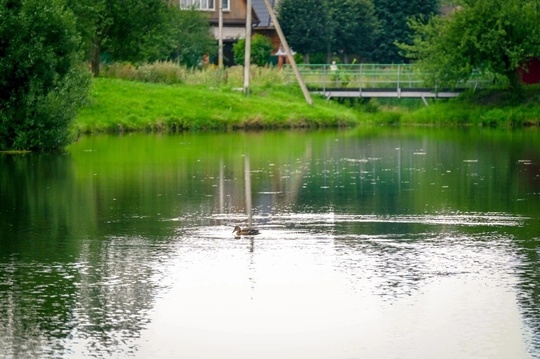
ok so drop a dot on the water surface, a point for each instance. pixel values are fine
(375, 243)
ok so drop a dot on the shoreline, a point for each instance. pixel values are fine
(117, 106)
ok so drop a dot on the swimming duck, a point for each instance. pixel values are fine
(245, 232)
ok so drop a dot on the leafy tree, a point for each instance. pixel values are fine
(42, 83)
(355, 27)
(141, 30)
(495, 36)
(261, 49)
(94, 20)
(126, 30)
(191, 37)
(305, 24)
(394, 17)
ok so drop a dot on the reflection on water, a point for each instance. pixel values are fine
(315, 295)
(374, 244)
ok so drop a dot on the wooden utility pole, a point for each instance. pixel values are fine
(247, 58)
(220, 35)
(290, 57)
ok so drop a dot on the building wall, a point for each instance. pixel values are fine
(230, 33)
(531, 75)
(235, 16)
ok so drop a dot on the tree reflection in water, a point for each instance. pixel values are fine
(124, 244)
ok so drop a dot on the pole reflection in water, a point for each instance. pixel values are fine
(221, 187)
(429, 251)
(247, 183)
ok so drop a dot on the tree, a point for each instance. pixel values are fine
(261, 49)
(496, 36)
(305, 24)
(42, 82)
(394, 17)
(126, 30)
(93, 23)
(354, 27)
(191, 38)
(141, 30)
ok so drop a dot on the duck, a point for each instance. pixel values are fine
(245, 232)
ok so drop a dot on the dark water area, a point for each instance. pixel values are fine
(375, 243)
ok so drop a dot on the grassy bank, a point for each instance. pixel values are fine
(487, 108)
(490, 108)
(120, 105)
(165, 97)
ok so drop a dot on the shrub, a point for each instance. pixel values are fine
(167, 72)
(261, 49)
(42, 82)
(163, 71)
(494, 117)
(120, 70)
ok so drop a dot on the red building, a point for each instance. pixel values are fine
(530, 73)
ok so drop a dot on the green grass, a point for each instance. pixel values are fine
(120, 105)
(488, 108)
(168, 97)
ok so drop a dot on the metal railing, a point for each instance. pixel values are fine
(371, 76)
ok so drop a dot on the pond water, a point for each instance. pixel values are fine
(375, 243)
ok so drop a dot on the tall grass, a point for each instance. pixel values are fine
(158, 72)
(169, 72)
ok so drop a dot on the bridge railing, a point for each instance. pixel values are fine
(369, 76)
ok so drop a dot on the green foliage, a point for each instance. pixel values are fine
(192, 38)
(432, 54)
(261, 49)
(490, 36)
(354, 27)
(316, 58)
(305, 24)
(367, 29)
(166, 72)
(160, 72)
(41, 81)
(139, 31)
(394, 17)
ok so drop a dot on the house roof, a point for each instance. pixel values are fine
(262, 13)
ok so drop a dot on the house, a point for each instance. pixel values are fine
(234, 21)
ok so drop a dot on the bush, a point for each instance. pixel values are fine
(261, 49)
(119, 70)
(42, 82)
(162, 72)
(166, 72)
(173, 73)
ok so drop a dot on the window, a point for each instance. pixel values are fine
(207, 5)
